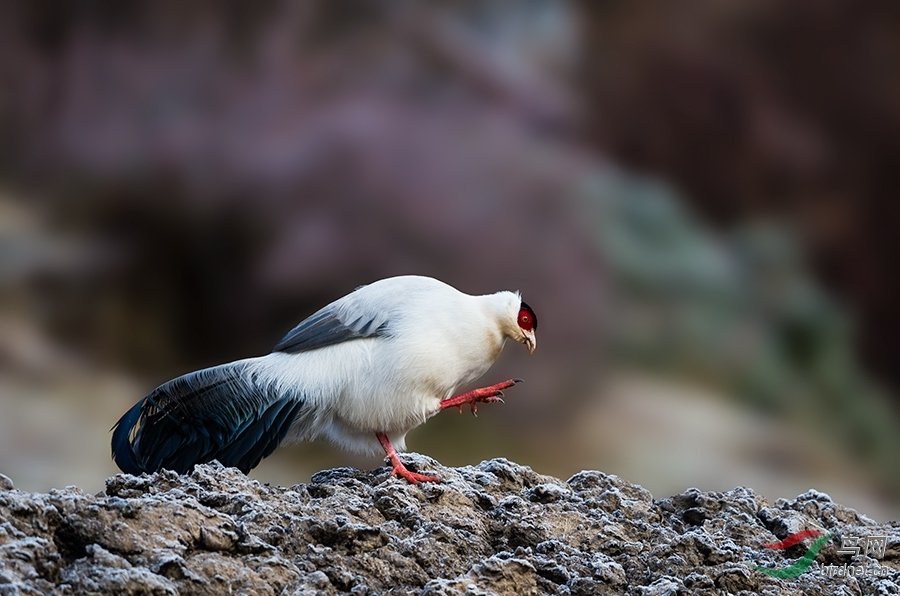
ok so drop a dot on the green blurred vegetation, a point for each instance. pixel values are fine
(739, 311)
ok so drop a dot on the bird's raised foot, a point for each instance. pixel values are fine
(488, 399)
(485, 395)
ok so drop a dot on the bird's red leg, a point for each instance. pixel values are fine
(487, 395)
(397, 467)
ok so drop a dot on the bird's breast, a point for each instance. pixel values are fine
(400, 384)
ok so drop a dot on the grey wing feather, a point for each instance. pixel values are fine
(330, 325)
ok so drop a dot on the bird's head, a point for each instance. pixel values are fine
(523, 325)
(526, 321)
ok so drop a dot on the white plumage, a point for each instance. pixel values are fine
(361, 373)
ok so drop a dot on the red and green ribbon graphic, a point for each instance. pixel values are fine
(803, 563)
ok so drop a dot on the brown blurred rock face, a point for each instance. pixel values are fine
(234, 172)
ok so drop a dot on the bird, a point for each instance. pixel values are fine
(360, 373)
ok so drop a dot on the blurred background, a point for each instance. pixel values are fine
(697, 198)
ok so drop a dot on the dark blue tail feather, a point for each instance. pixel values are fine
(122, 452)
(223, 413)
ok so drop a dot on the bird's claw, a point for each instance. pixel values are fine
(496, 398)
(413, 477)
(508, 384)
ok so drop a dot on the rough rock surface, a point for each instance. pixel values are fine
(492, 528)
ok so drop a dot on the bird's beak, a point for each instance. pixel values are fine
(530, 342)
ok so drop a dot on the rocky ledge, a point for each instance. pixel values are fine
(492, 528)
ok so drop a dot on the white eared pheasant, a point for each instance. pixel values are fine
(361, 372)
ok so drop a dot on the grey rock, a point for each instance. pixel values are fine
(494, 528)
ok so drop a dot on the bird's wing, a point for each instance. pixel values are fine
(351, 317)
(226, 413)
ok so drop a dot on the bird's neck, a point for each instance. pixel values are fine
(500, 308)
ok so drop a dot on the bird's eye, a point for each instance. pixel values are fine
(527, 319)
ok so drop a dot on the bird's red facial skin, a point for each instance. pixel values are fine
(527, 320)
